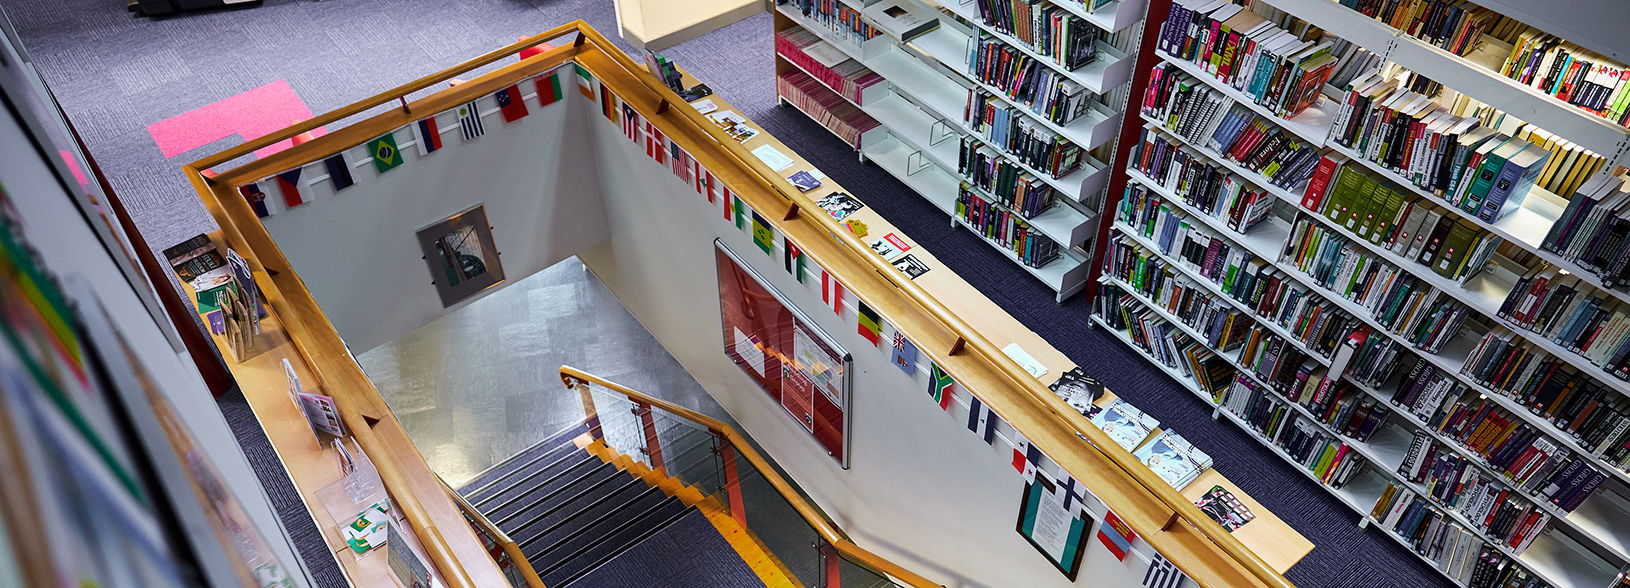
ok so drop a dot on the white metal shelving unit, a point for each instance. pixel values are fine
(1582, 549)
(921, 107)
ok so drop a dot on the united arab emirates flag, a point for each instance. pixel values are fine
(939, 386)
(871, 325)
(585, 82)
(763, 235)
(385, 153)
(549, 91)
(511, 104)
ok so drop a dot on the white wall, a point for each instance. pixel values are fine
(357, 251)
(921, 489)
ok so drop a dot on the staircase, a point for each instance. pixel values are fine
(587, 516)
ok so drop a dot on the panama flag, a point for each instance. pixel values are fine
(585, 82)
(549, 91)
(1116, 535)
(511, 104)
(1025, 456)
(426, 135)
(631, 124)
(939, 383)
(832, 292)
(295, 192)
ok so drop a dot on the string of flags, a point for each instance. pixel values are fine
(292, 188)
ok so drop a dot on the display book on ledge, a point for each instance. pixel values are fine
(1166, 453)
(1212, 191)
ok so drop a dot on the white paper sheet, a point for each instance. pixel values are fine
(1025, 360)
(750, 353)
(772, 157)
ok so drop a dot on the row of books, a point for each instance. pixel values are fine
(1573, 314)
(1170, 346)
(1005, 229)
(1206, 118)
(1528, 457)
(825, 106)
(842, 21)
(1397, 300)
(824, 62)
(1279, 70)
(1009, 130)
(1450, 481)
(1224, 328)
(1454, 26)
(1452, 246)
(1457, 158)
(1595, 416)
(1026, 80)
(1013, 187)
(1571, 73)
(1207, 187)
(1457, 551)
(1049, 30)
(1233, 268)
(1592, 231)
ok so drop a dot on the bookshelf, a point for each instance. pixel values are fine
(1584, 548)
(920, 107)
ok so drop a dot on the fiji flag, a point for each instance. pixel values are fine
(510, 103)
(295, 192)
(905, 354)
(631, 123)
(426, 135)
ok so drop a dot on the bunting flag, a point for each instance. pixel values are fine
(339, 171)
(1025, 457)
(295, 192)
(697, 173)
(792, 256)
(981, 420)
(939, 386)
(426, 135)
(713, 188)
(1116, 535)
(256, 199)
(1070, 495)
(741, 214)
(631, 124)
(832, 292)
(763, 235)
(656, 145)
(469, 121)
(728, 198)
(871, 325)
(680, 162)
(511, 104)
(585, 82)
(608, 104)
(549, 91)
(384, 151)
(905, 354)
(1163, 574)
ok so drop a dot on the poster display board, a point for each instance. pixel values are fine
(793, 360)
(1055, 529)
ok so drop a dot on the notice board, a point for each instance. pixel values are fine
(794, 361)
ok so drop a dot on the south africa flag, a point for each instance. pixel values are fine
(939, 386)
(385, 153)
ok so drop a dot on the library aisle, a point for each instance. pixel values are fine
(333, 53)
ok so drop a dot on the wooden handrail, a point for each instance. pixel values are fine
(572, 377)
(498, 535)
(1207, 552)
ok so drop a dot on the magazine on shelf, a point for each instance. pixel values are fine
(1173, 459)
(1124, 423)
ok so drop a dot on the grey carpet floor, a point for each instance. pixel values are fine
(115, 74)
(689, 553)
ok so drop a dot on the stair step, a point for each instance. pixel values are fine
(566, 513)
(501, 476)
(562, 486)
(589, 552)
(606, 515)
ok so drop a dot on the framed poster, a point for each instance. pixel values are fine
(1051, 528)
(462, 257)
(794, 361)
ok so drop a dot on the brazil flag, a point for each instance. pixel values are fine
(386, 156)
